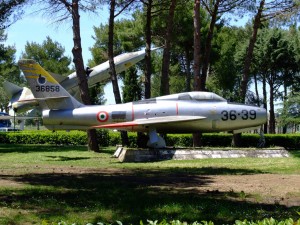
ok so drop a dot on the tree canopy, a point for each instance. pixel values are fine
(50, 55)
(263, 55)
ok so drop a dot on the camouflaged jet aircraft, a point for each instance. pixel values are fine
(177, 113)
(96, 74)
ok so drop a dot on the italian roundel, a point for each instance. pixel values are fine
(102, 116)
(41, 80)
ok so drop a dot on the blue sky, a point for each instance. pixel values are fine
(36, 27)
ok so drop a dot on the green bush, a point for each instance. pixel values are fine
(290, 141)
(217, 139)
(103, 137)
(44, 137)
(110, 138)
(115, 138)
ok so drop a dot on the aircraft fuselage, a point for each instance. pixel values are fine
(218, 116)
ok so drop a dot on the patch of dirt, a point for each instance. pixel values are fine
(265, 188)
(259, 188)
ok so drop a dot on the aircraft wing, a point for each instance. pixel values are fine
(151, 121)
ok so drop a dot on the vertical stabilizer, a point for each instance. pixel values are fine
(46, 90)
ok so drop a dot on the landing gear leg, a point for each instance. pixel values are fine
(261, 141)
(155, 141)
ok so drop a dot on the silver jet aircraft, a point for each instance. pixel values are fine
(178, 113)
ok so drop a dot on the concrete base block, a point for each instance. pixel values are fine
(147, 155)
(118, 151)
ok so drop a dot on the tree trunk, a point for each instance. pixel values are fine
(247, 63)
(80, 71)
(164, 85)
(249, 55)
(236, 140)
(148, 69)
(197, 50)
(188, 70)
(272, 113)
(112, 71)
(265, 97)
(207, 51)
(197, 46)
(77, 56)
(256, 90)
(285, 86)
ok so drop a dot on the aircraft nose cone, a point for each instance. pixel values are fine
(262, 115)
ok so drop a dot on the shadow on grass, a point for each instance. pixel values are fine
(13, 148)
(129, 196)
(65, 158)
(295, 153)
(216, 171)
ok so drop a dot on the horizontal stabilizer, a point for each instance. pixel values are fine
(151, 121)
(18, 117)
(24, 105)
(55, 102)
(43, 99)
(11, 89)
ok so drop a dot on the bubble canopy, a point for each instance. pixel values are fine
(196, 95)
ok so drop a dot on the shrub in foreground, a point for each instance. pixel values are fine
(267, 221)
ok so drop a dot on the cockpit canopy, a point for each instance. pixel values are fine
(196, 95)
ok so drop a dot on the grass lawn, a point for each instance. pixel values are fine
(60, 183)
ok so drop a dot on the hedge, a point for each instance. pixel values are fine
(44, 137)
(109, 138)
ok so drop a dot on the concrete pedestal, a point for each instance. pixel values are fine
(147, 155)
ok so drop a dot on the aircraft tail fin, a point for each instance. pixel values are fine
(45, 88)
(59, 78)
